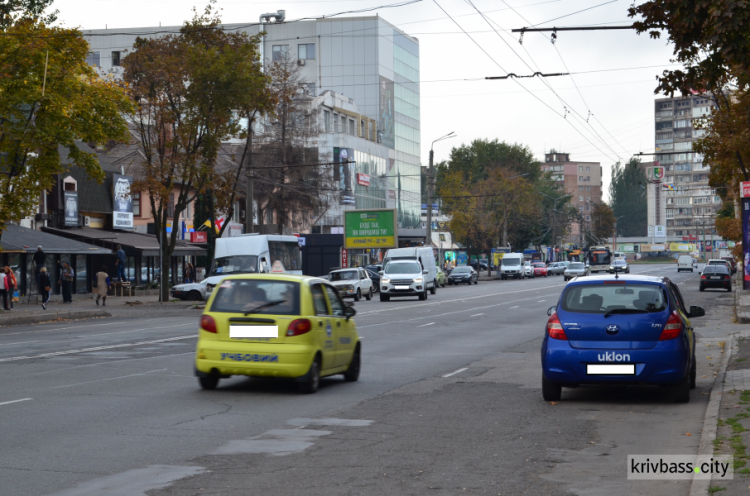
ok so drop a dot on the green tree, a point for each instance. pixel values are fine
(627, 193)
(188, 88)
(13, 11)
(602, 221)
(50, 97)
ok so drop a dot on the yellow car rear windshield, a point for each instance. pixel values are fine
(243, 295)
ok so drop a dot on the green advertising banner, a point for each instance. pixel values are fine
(370, 228)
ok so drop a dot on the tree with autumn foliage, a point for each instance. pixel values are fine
(602, 221)
(49, 97)
(188, 89)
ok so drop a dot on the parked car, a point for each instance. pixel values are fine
(619, 266)
(374, 276)
(635, 330)
(732, 262)
(478, 265)
(575, 269)
(195, 291)
(715, 276)
(528, 270)
(539, 269)
(463, 275)
(352, 283)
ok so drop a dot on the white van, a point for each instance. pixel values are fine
(685, 262)
(424, 255)
(512, 266)
(254, 253)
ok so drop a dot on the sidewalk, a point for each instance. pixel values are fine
(84, 307)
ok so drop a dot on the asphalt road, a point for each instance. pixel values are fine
(110, 406)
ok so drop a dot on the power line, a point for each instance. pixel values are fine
(573, 13)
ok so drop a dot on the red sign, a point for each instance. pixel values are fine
(745, 189)
(344, 258)
(199, 237)
(363, 179)
(689, 238)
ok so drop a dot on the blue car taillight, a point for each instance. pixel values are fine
(672, 328)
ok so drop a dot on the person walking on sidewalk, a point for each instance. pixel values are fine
(189, 272)
(11, 284)
(3, 290)
(67, 282)
(102, 285)
(45, 286)
(122, 260)
(39, 258)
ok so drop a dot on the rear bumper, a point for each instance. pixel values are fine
(258, 360)
(666, 363)
(725, 283)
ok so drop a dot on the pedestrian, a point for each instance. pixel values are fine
(188, 272)
(39, 259)
(102, 285)
(122, 260)
(45, 286)
(67, 282)
(11, 284)
(4, 290)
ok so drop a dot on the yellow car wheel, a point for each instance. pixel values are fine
(312, 381)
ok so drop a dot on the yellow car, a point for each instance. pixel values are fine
(277, 325)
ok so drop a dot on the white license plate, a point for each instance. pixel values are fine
(253, 331)
(715, 277)
(402, 287)
(610, 369)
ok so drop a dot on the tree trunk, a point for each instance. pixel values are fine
(164, 282)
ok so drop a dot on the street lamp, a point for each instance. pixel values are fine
(429, 187)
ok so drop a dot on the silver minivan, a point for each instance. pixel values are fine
(424, 255)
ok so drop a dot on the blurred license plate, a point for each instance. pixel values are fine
(715, 277)
(402, 287)
(610, 369)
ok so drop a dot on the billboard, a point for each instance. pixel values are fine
(386, 123)
(371, 228)
(746, 242)
(71, 208)
(344, 160)
(122, 208)
(655, 173)
(660, 232)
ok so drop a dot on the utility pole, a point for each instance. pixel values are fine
(249, 208)
(430, 181)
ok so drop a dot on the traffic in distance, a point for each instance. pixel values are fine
(613, 329)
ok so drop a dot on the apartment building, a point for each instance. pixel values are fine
(690, 204)
(581, 180)
(366, 60)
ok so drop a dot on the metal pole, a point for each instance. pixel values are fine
(250, 207)
(429, 201)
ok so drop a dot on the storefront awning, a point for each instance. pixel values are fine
(135, 244)
(17, 239)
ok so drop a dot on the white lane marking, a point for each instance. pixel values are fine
(425, 325)
(540, 301)
(392, 308)
(476, 315)
(72, 327)
(456, 372)
(105, 363)
(135, 330)
(15, 401)
(84, 350)
(103, 380)
(511, 308)
(20, 342)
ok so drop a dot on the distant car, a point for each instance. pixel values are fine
(685, 262)
(374, 276)
(463, 275)
(731, 261)
(715, 276)
(352, 283)
(481, 265)
(575, 269)
(619, 266)
(557, 268)
(528, 270)
(195, 291)
(442, 278)
(634, 330)
(539, 269)
(720, 262)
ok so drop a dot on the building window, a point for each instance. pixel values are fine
(136, 204)
(327, 120)
(588, 218)
(351, 127)
(115, 59)
(588, 169)
(580, 188)
(580, 178)
(279, 52)
(306, 52)
(580, 168)
(336, 128)
(93, 59)
(580, 198)
(588, 188)
(362, 128)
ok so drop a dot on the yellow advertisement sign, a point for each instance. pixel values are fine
(687, 247)
(496, 257)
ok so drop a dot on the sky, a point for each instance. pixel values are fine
(602, 112)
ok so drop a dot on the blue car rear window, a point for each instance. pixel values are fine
(601, 298)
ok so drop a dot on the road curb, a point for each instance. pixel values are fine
(54, 315)
(710, 427)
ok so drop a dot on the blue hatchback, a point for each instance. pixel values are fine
(631, 330)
